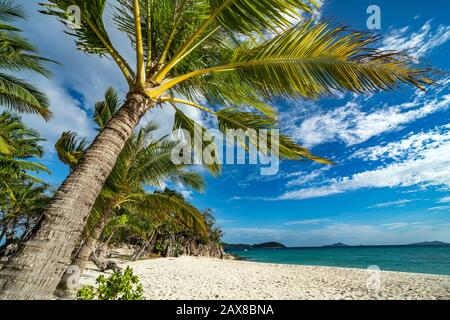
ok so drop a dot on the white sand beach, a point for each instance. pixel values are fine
(195, 278)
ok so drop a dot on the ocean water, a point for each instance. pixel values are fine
(417, 259)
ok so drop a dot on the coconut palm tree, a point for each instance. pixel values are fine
(157, 211)
(22, 195)
(18, 146)
(23, 205)
(144, 162)
(17, 54)
(202, 54)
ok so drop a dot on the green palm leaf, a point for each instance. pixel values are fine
(232, 119)
(201, 140)
(106, 109)
(9, 10)
(316, 60)
(70, 148)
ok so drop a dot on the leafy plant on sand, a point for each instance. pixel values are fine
(210, 55)
(118, 286)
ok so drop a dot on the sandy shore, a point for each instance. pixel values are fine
(203, 278)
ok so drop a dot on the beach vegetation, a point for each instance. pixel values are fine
(230, 59)
(119, 286)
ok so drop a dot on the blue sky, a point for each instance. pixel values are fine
(390, 184)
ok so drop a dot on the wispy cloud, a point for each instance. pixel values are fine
(444, 200)
(398, 203)
(418, 43)
(302, 178)
(441, 208)
(351, 125)
(420, 166)
(307, 222)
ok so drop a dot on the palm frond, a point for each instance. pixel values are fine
(248, 16)
(189, 179)
(176, 207)
(232, 119)
(9, 10)
(316, 60)
(200, 140)
(70, 148)
(16, 94)
(106, 109)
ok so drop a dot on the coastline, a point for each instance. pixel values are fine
(195, 278)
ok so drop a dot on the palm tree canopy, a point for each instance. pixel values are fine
(16, 55)
(238, 54)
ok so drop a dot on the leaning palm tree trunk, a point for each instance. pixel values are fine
(90, 245)
(35, 271)
(151, 241)
(87, 249)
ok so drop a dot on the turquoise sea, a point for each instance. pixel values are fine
(417, 259)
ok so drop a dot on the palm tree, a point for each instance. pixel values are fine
(23, 205)
(143, 162)
(156, 212)
(22, 195)
(189, 52)
(18, 145)
(17, 54)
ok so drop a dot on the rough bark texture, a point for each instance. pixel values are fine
(87, 248)
(90, 245)
(149, 244)
(36, 270)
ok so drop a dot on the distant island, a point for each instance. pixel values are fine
(277, 245)
(430, 243)
(426, 243)
(265, 245)
(337, 245)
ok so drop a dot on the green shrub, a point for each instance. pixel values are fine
(119, 286)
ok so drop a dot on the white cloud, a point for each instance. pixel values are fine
(304, 178)
(351, 125)
(68, 116)
(187, 194)
(444, 200)
(418, 142)
(307, 222)
(419, 43)
(442, 208)
(398, 203)
(424, 166)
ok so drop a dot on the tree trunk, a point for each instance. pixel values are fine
(36, 270)
(12, 234)
(87, 248)
(150, 241)
(4, 231)
(90, 244)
